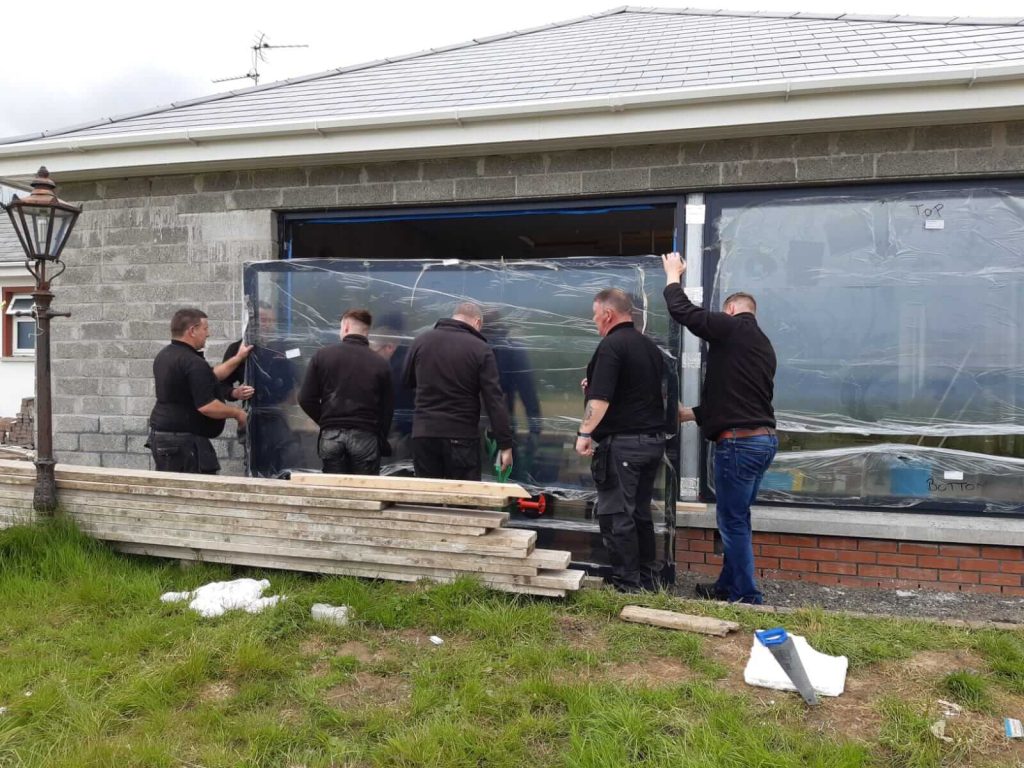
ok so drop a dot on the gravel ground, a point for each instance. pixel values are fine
(918, 602)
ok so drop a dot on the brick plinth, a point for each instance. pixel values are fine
(866, 563)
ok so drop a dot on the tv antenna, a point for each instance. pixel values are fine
(258, 47)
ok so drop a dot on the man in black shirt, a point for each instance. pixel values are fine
(188, 410)
(347, 392)
(736, 414)
(623, 430)
(451, 368)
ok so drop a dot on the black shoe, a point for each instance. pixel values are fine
(710, 592)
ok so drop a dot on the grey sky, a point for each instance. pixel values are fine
(114, 58)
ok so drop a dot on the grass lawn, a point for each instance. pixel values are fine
(95, 671)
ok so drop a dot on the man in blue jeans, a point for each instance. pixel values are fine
(735, 414)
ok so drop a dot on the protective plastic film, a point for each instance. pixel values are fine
(537, 317)
(896, 315)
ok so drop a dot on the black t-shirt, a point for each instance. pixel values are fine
(627, 371)
(185, 382)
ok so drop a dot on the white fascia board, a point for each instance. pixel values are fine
(14, 271)
(835, 103)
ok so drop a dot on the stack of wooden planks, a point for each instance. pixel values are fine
(403, 529)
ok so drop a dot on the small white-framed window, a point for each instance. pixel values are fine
(22, 327)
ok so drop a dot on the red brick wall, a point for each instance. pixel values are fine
(870, 563)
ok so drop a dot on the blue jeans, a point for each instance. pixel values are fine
(740, 463)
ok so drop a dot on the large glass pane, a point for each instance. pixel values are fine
(896, 316)
(537, 318)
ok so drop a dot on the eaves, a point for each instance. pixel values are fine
(831, 103)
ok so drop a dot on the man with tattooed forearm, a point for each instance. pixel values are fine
(623, 431)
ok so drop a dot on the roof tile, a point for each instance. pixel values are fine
(623, 51)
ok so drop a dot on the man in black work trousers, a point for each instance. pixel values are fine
(736, 414)
(451, 368)
(347, 392)
(188, 410)
(623, 430)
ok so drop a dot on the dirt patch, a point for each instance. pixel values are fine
(732, 652)
(324, 651)
(656, 672)
(916, 680)
(982, 737)
(417, 638)
(366, 689)
(930, 666)
(217, 691)
(581, 633)
(313, 646)
(359, 651)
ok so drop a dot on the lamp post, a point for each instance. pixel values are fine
(43, 224)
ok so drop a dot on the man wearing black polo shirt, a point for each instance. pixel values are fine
(736, 414)
(623, 430)
(188, 410)
(347, 392)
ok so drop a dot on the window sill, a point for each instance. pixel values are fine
(18, 359)
(899, 526)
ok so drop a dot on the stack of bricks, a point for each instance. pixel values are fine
(22, 428)
(871, 563)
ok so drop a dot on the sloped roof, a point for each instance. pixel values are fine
(625, 51)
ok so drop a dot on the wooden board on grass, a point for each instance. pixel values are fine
(685, 622)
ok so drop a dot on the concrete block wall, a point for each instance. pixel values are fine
(147, 246)
(866, 563)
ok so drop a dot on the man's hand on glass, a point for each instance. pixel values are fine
(243, 392)
(674, 266)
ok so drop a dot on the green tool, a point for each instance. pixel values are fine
(492, 450)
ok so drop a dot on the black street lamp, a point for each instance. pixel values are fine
(43, 224)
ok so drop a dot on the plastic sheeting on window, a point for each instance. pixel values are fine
(897, 316)
(896, 476)
(537, 316)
